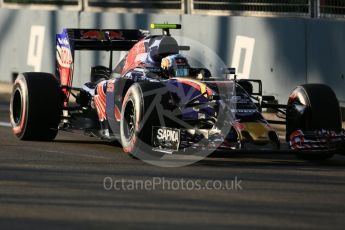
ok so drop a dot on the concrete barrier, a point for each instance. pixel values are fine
(27, 41)
(283, 52)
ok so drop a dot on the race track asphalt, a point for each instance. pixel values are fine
(60, 185)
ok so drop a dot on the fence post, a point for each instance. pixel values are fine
(315, 8)
(83, 4)
(187, 6)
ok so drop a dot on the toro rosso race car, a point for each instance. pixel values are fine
(153, 100)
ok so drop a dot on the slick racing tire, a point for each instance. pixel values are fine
(138, 118)
(35, 107)
(313, 107)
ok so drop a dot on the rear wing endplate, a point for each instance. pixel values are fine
(71, 40)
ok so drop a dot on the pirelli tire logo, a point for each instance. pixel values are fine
(164, 138)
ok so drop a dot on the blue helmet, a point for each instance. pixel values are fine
(175, 66)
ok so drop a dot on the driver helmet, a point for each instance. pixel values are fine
(175, 66)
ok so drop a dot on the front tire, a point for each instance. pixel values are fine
(137, 121)
(313, 107)
(35, 106)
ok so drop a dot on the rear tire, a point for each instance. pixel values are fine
(321, 111)
(35, 107)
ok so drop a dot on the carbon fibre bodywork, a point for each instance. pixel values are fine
(194, 107)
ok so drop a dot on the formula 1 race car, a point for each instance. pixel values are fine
(155, 101)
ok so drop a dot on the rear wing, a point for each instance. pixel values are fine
(71, 40)
(105, 39)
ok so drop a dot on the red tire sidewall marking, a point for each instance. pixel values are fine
(18, 129)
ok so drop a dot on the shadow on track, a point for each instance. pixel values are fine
(270, 160)
(95, 142)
